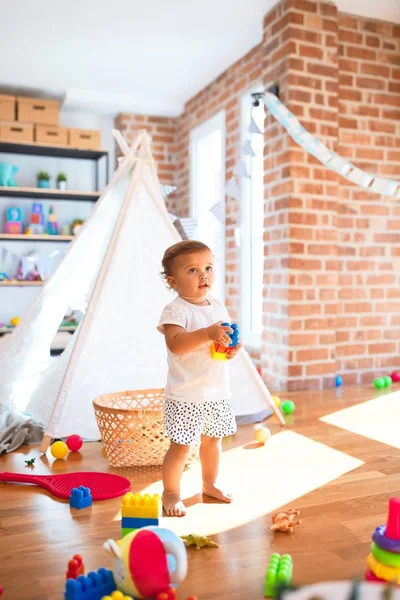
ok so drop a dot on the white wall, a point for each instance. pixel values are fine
(14, 301)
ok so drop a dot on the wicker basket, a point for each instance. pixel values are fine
(131, 428)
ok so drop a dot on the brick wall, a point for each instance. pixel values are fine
(332, 258)
(163, 131)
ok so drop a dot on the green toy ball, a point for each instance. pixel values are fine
(379, 383)
(387, 380)
(288, 407)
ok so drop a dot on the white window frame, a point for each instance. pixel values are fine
(250, 338)
(218, 121)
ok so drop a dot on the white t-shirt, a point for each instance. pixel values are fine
(195, 377)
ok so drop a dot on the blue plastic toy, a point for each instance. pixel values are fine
(338, 381)
(91, 587)
(218, 352)
(80, 497)
(235, 335)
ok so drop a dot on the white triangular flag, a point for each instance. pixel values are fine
(384, 186)
(232, 189)
(4, 254)
(166, 190)
(25, 266)
(253, 127)
(218, 212)
(172, 217)
(240, 170)
(247, 150)
(188, 225)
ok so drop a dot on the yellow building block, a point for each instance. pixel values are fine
(141, 506)
(217, 355)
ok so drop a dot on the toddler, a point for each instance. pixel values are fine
(197, 393)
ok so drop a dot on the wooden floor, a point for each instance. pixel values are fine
(338, 477)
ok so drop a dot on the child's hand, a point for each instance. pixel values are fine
(231, 352)
(218, 333)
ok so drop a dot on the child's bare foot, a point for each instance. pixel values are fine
(173, 505)
(215, 492)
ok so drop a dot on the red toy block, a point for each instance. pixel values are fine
(393, 520)
(75, 567)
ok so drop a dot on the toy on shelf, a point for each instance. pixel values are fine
(395, 376)
(200, 541)
(218, 351)
(148, 561)
(382, 382)
(384, 560)
(285, 520)
(15, 321)
(36, 221)
(139, 511)
(288, 407)
(13, 221)
(338, 381)
(76, 226)
(59, 449)
(4, 277)
(261, 434)
(52, 225)
(74, 443)
(279, 572)
(75, 567)
(7, 174)
(12, 182)
(80, 497)
(90, 587)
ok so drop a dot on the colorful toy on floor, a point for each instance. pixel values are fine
(148, 561)
(200, 541)
(170, 594)
(13, 220)
(80, 497)
(285, 520)
(59, 449)
(90, 587)
(30, 462)
(102, 485)
(395, 376)
(277, 401)
(384, 560)
(338, 381)
(288, 407)
(139, 511)
(75, 567)
(382, 382)
(218, 351)
(279, 572)
(74, 443)
(261, 434)
(117, 595)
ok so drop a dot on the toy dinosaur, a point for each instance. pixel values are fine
(30, 462)
(285, 520)
(199, 541)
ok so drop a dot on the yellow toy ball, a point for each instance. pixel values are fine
(277, 401)
(262, 434)
(59, 449)
(15, 321)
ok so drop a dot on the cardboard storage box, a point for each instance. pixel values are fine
(36, 110)
(16, 132)
(85, 139)
(7, 108)
(54, 135)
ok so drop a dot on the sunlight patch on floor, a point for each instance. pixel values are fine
(262, 479)
(376, 419)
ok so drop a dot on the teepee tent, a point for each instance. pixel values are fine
(111, 271)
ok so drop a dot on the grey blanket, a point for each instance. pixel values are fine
(17, 429)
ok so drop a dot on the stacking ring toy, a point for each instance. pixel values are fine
(382, 571)
(383, 556)
(370, 576)
(385, 542)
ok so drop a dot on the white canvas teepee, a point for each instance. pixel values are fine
(112, 267)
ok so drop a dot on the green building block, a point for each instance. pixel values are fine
(125, 531)
(279, 572)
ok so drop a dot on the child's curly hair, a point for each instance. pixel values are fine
(171, 253)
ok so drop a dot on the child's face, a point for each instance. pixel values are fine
(193, 274)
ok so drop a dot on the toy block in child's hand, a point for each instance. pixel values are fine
(218, 351)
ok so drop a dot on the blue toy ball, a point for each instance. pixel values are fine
(338, 381)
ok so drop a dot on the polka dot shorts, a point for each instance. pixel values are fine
(185, 422)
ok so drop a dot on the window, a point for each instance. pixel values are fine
(207, 174)
(252, 226)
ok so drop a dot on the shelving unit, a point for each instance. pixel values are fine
(21, 283)
(67, 328)
(48, 194)
(14, 237)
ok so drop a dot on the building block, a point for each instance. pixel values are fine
(91, 587)
(117, 596)
(279, 572)
(138, 506)
(136, 523)
(75, 567)
(80, 497)
(218, 352)
(125, 531)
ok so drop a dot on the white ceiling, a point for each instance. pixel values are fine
(132, 55)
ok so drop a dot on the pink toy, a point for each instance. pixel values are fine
(395, 376)
(370, 576)
(74, 442)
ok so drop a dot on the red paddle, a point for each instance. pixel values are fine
(102, 485)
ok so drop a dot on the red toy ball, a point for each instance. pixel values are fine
(74, 443)
(395, 376)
